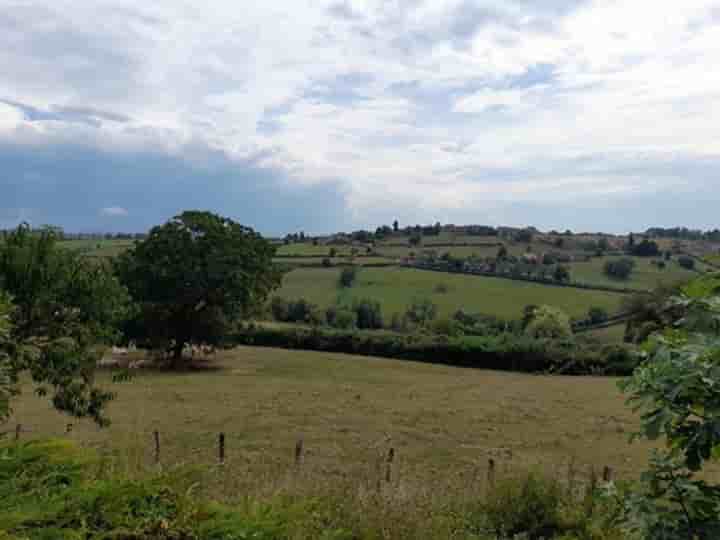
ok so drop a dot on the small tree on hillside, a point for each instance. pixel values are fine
(193, 277)
(549, 322)
(686, 262)
(561, 274)
(421, 312)
(619, 268)
(348, 276)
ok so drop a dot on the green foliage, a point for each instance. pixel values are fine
(686, 262)
(677, 389)
(619, 268)
(348, 276)
(368, 314)
(65, 309)
(54, 491)
(503, 351)
(421, 312)
(193, 277)
(531, 506)
(561, 274)
(549, 322)
(597, 315)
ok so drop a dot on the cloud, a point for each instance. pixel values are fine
(114, 211)
(425, 109)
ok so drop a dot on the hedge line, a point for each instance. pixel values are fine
(570, 284)
(505, 352)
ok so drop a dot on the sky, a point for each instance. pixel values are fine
(334, 115)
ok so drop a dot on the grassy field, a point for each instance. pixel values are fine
(644, 276)
(97, 248)
(443, 422)
(309, 249)
(314, 261)
(395, 288)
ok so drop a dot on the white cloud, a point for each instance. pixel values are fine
(473, 127)
(114, 211)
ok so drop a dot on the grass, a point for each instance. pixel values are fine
(98, 247)
(395, 288)
(444, 423)
(314, 261)
(611, 334)
(644, 276)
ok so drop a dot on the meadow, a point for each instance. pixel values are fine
(644, 276)
(97, 247)
(444, 423)
(396, 288)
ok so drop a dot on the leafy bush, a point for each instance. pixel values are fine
(447, 327)
(441, 288)
(619, 268)
(549, 322)
(686, 262)
(368, 314)
(597, 315)
(421, 312)
(327, 262)
(531, 506)
(348, 276)
(561, 274)
(503, 351)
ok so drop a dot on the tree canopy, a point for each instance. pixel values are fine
(57, 310)
(192, 277)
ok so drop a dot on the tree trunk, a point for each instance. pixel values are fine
(176, 360)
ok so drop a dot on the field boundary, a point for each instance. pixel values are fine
(540, 281)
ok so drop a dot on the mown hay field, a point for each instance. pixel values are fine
(395, 289)
(443, 422)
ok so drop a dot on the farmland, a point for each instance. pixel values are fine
(442, 421)
(395, 288)
(644, 276)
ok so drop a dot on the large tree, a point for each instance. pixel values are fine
(193, 277)
(57, 312)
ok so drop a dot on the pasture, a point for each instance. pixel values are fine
(97, 247)
(644, 276)
(396, 288)
(444, 423)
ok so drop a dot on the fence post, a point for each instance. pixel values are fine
(156, 437)
(491, 472)
(221, 448)
(389, 463)
(607, 474)
(18, 430)
(298, 452)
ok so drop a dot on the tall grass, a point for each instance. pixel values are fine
(55, 489)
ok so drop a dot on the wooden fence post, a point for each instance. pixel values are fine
(298, 452)
(18, 430)
(389, 464)
(156, 437)
(491, 472)
(607, 474)
(221, 448)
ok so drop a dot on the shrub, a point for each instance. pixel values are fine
(447, 327)
(597, 315)
(368, 314)
(549, 258)
(421, 312)
(280, 309)
(619, 268)
(348, 276)
(327, 262)
(561, 274)
(686, 262)
(549, 322)
(530, 506)
(442, 288)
